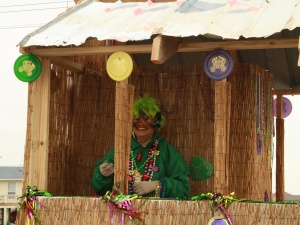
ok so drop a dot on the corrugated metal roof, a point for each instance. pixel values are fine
(11, 173)
(135, 21)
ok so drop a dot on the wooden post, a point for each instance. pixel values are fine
(299, 52)
(37, 138)
(123, 128)
(221, 129)
(279, 151)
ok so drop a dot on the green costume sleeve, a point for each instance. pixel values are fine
(100, 183)
(175, 182)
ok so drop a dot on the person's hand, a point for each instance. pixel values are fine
(144, 187)
(106, 169)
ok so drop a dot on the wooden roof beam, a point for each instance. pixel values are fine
(182, 47)
(286, 92)
(67, 64)
(72, 66)
(299, 52)
(239, 45)
(163, 47)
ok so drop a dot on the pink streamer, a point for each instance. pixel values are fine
(127, 206)
(112, 211)
(120, 209)
(226, 214)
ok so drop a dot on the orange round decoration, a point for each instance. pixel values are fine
(119, 66)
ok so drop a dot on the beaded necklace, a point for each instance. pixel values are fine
(134, 174)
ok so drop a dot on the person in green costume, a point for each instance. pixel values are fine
(156, 168)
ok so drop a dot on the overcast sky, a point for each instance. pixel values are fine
(17, 19)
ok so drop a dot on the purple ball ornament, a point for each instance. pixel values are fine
(286, 108)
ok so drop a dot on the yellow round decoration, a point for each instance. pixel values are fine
(119, 66)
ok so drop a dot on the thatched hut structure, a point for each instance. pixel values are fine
(76, 112)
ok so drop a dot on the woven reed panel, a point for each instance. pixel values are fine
(185, 97)
(123, 128)
(93, 211)
(60, 136)
(251, 131)
(81, 130)
(82, 122)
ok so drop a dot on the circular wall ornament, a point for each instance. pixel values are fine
(286, 107)
(27, 67)
(119, 66)
(218, 64)
(214, 221)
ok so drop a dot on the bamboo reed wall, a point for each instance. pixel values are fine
(186, 98)
(251, 131)
(82, 123)
(93, 211)
(81, 129)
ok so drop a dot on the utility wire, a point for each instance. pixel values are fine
(28, 10)
(44, 3)
(20, 26)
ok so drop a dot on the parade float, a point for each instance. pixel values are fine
(85, 68)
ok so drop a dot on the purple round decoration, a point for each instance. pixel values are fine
(219, 222)
(287, 107)
(218, 64)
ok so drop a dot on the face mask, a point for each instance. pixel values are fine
(148, 121)
(143, 119)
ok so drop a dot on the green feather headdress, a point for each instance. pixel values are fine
(148, 106)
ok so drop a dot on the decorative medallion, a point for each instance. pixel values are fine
(119, 66)
(214, 221)
(27, 67)
(286, 107)
(218, 64)
(218, 219)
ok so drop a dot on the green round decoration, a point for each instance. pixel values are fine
(200, 169)
(27, 67)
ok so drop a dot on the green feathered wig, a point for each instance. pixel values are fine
(148, 106)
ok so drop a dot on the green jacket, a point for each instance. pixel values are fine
(172, 171)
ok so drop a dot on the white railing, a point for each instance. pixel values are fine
(8, 199)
